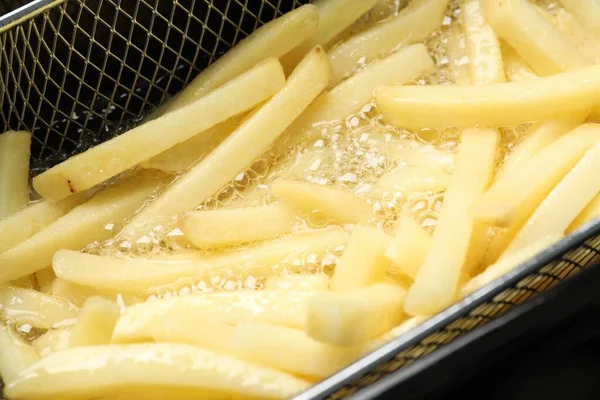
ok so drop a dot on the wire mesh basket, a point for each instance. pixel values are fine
(78, 72)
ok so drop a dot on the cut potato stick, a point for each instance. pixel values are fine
(77, 294)
(138, 275)
(116, 369)
(515, 67)
(584, 40)
(413, 24)
(483, 48)
(534, 37)
(554, 215)
(409, 247)
(278, 307)
(96, 323)
(298, 282)
(25, 282)
(337, 203)
(436, 282)
(249, 141)
(413, 179)
(508, 263)
(218, 228)
(81, 172)
(589, 213)
(79, 227)
(53, 340)
(15, 355)
(274, 39)
(26, 306)
(588, 12)
(291, 350)
(334, 17)
(396, 332)
(362, 262)
(45, 278)
(456, 48)
(427, 156)
(501, 104)
(14, 171)
(353, 317)
(513, 198)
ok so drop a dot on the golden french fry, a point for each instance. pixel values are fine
(78, 294)
(409, 247)
(554, 215)
(218, 228)
(362, 262)
(96, 323)
(456, 48)
(249, 141)
(82, 225)
(584, 40)
(413, 24)
(483, 48)
(298, 282)
(14, 171)
(81, 172)
(589, 213)
(534, 37)
(413, 179)
(515, 67)
(340, 204)
(274, 39)
(27, 306)
(353, 317)
(290, 350)
(15, 355)
(45, 278)
(500, 104)
(121, 369)
(279, 307)
(138, 275)
(588, 12)
(436, 282)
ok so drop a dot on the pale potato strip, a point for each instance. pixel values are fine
(515, 67)
(291, 350)
(589, 213)
(554, 215)
(274, 39)
(96, 322)
(14, 171)
(406, 326)
(456, 48)
(118, 369)
(334, 17)
(483, 48)
(499, 104)
(586, 42)
(279, 307)
(45, 278)
(81, 226)
(15, 355)
(413, 24)
(243, 146)
(298, 282)
(27, 306)
(81, 172)
(586, 11)
(436, 282)
(78, 294)
(53, 340)
(409, 246)
(534, 37)
(219, 228)
(340, 204)
(138, 275)
(363, 262)
(413, 179)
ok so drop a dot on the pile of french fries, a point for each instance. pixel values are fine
(332, 264)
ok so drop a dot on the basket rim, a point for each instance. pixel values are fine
(26, 12)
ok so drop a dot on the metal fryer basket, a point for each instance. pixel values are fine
(77, 72)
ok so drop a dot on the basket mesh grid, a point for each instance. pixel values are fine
(82, 71)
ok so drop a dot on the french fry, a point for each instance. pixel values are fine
(339, 204)
(584, 40)
(589, 213)
(513, 198)
(334, 17)
(413, 24)
(81, 172)
(53, 340)
(588, 12)
(554, 215)
(534, 37)
(27, 306)
(456, 48)
(353, 317)
(95, 324)
(436, 282)
(427, 156)
(218, 228)
(80, 226)
(413, 179)
(170, 394)
(15, 355)
(25, 282)
(397, 331)
(138, 275)
(14, 171)
(291, 350)
(123, 369)
(409, 247)
(508, 263)
(78, 294)
(516, 69)
(287, 308)
(45, 277)
(483, 48)
(362, 262)
(298, 282)
(249, 141)
(500, 104)
(274, 39)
